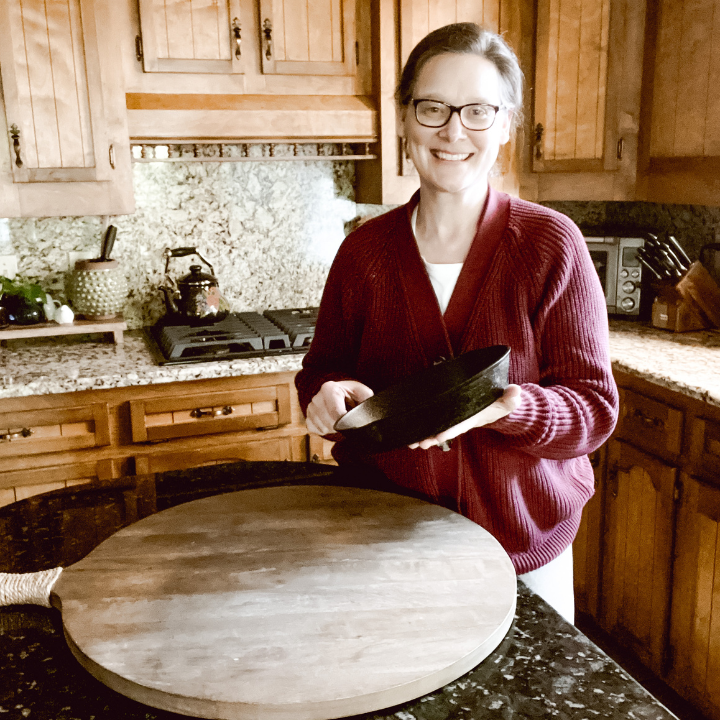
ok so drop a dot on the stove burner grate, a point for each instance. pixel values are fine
(239, 335)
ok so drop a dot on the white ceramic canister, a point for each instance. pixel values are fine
(97, 289)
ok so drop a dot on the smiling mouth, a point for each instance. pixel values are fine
(456, 157)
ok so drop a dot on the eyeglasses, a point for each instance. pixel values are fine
(436, 114)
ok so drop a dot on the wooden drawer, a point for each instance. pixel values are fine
(650, 424)
(49, 430)
(280, 448)
(21, 484)
(705, 448)
(208, 413)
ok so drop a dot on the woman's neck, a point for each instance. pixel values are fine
(446, 224)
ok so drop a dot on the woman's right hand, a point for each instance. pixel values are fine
(331, 403)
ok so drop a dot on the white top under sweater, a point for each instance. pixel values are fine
(443, 276)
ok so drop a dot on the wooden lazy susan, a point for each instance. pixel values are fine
(288, 603)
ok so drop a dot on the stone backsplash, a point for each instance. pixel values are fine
(270, 230)
(692, 225)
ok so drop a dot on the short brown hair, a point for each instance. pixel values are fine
(466, 39)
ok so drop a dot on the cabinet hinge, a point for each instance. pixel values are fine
(357, 52)
(138, 48)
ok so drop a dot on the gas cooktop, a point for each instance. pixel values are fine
(239, 335)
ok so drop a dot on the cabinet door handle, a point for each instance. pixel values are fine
(111, 156)
(15, 135)
(539, 132)
(8, 437)
(212, 412)
(613, 478)
(236, 35)
(647, 420)
(267, 31)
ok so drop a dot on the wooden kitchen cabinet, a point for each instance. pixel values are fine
(695, 620)
(279, 448)
(680, 149)
(190, 37)
(587, 546)
(97, 434)
(62, 112)
(583, 139)
(398, 27)
(637, 557)
(240, 70)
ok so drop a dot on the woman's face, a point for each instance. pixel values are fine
(451, 158)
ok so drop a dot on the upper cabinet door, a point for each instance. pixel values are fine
(307, 37)
(680, 161)
(192, 36)
(586, 114)
(571, 86)
(68, 151)
(420, 17)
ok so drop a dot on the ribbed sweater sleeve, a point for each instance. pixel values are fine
(573, 408)
(334, 350)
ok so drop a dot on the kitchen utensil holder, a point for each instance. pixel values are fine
(97, 289)
(693, 303)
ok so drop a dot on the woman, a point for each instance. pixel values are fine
(462, 266)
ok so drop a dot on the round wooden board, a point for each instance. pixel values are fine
(288, 603)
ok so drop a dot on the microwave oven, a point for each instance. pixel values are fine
(620, 271)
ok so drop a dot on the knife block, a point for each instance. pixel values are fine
(693, 303)
(671, 312)
(697, 286)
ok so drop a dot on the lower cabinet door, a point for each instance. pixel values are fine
(280, 448)
(695, 617)
(637, 558)
(587, 547)
(320, 450)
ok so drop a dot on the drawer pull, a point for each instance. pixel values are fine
(8, 437)
(212, 412)
(647, 421)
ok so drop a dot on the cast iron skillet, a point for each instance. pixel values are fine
(428, 402)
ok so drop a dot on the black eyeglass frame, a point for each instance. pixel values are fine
(455, 109)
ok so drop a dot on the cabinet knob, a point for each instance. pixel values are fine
(8, 437)
(267, 31)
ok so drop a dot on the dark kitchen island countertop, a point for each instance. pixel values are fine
(544, 667)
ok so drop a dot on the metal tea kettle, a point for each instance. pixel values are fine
(194, 299)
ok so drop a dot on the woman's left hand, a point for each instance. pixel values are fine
(509, 402)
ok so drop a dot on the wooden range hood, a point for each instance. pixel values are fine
(274, 118)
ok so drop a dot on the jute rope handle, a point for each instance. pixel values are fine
(28, 588)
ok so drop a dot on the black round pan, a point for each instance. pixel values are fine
(429, 402)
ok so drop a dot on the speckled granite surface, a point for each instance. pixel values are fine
(684, 362)
(67, 364)
(543, 668)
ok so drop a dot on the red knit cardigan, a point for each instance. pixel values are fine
(524, 478)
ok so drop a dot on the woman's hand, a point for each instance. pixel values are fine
(331, 402)
(510, 401)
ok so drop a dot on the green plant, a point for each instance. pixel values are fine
(22, 287)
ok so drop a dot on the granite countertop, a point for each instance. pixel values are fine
(684, 362)
(544, 667)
